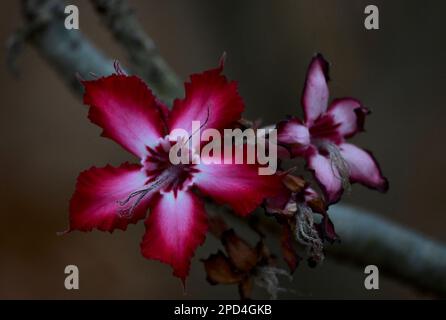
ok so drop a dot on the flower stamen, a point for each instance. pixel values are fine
(129, 205)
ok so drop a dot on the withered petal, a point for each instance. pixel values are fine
(242, 255)
(245, 288)
(288, 251)
(326, 229)
(217, 225)
(220, 271)
(294, 183)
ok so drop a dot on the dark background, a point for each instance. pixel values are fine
(46, 140)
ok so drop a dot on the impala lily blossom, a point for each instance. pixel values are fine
(110, 198)
(321, 137)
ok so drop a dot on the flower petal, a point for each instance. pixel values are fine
(363, 167)
(238, 185)
(288, 251)
(349, 115)
(326, 228)
(241, 254)
(98, 190)
(211, 99)
(127, 111)
(314, 201)
(315, 95)
(278, 203)
(220, 271)
(217, 226)
(294, 135)
(176, 226)
(327, 175)
(245, 288)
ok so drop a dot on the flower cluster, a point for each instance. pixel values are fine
(320, 138)
(169, 197)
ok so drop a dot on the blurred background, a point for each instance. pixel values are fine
(46, 139)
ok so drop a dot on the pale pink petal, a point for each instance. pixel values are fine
(316, 94)
(327, 175)
(293, 133)
(363, 167)
(348, 115)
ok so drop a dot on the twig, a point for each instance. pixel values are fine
(144, 56)
(67, 51)
(397, 251)
(366, 239)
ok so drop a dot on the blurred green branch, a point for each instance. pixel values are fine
(366, 238)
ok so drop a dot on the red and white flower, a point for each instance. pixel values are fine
(110, 198)
(321, 137)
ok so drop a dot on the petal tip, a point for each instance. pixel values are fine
(323, 63)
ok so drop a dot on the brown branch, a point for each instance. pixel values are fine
(366, 239)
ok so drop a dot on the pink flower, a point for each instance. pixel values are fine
(321, 137)
(110, 198)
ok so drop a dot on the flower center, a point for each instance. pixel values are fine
(324, 128)
(159, 168)
(163, 176)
